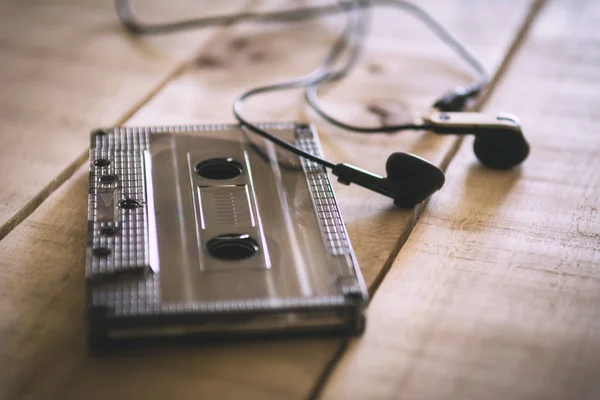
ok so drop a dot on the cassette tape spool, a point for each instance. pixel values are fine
(193, 231)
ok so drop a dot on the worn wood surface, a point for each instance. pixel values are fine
(496, 293)
(41, 314)
(66, 67)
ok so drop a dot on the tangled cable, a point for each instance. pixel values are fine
(346, 50)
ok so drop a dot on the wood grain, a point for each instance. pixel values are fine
(43, 330)
(67, 67)
(41, 316)
(394, 85)
(495, 295)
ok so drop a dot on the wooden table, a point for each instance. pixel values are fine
(490, 291)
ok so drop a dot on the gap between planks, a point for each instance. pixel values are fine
(56, 183)
(37, 200)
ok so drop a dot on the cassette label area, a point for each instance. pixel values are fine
(195, 230)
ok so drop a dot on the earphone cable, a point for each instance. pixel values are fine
(321, 73)
(311, 92)
(352, 40)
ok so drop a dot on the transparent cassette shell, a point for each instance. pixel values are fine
(195, 230)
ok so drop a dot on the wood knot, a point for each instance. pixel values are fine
(239, 43)
(391, 112)
(257, 56)
(208, 61)
(374, 69)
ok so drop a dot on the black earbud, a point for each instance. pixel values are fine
(410, 179)
(499, 141)
(501, 150)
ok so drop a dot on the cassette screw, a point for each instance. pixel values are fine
(108, 230)
(101, 251)
(129, 204)
(108, 179)
(102, 162)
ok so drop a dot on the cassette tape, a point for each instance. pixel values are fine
(196, 231)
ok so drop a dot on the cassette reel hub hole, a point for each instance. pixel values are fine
(232, 246)
(219, 168)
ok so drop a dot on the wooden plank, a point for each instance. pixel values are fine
(42, 318)
(399, 77)
(495, 295)
(65, 68)
(42, 341)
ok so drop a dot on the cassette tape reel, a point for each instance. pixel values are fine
(195, 231)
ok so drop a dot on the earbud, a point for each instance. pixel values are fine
(499, 141)
(410, 179)
(501, 150)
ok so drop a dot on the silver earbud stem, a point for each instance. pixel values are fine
(471, 122)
